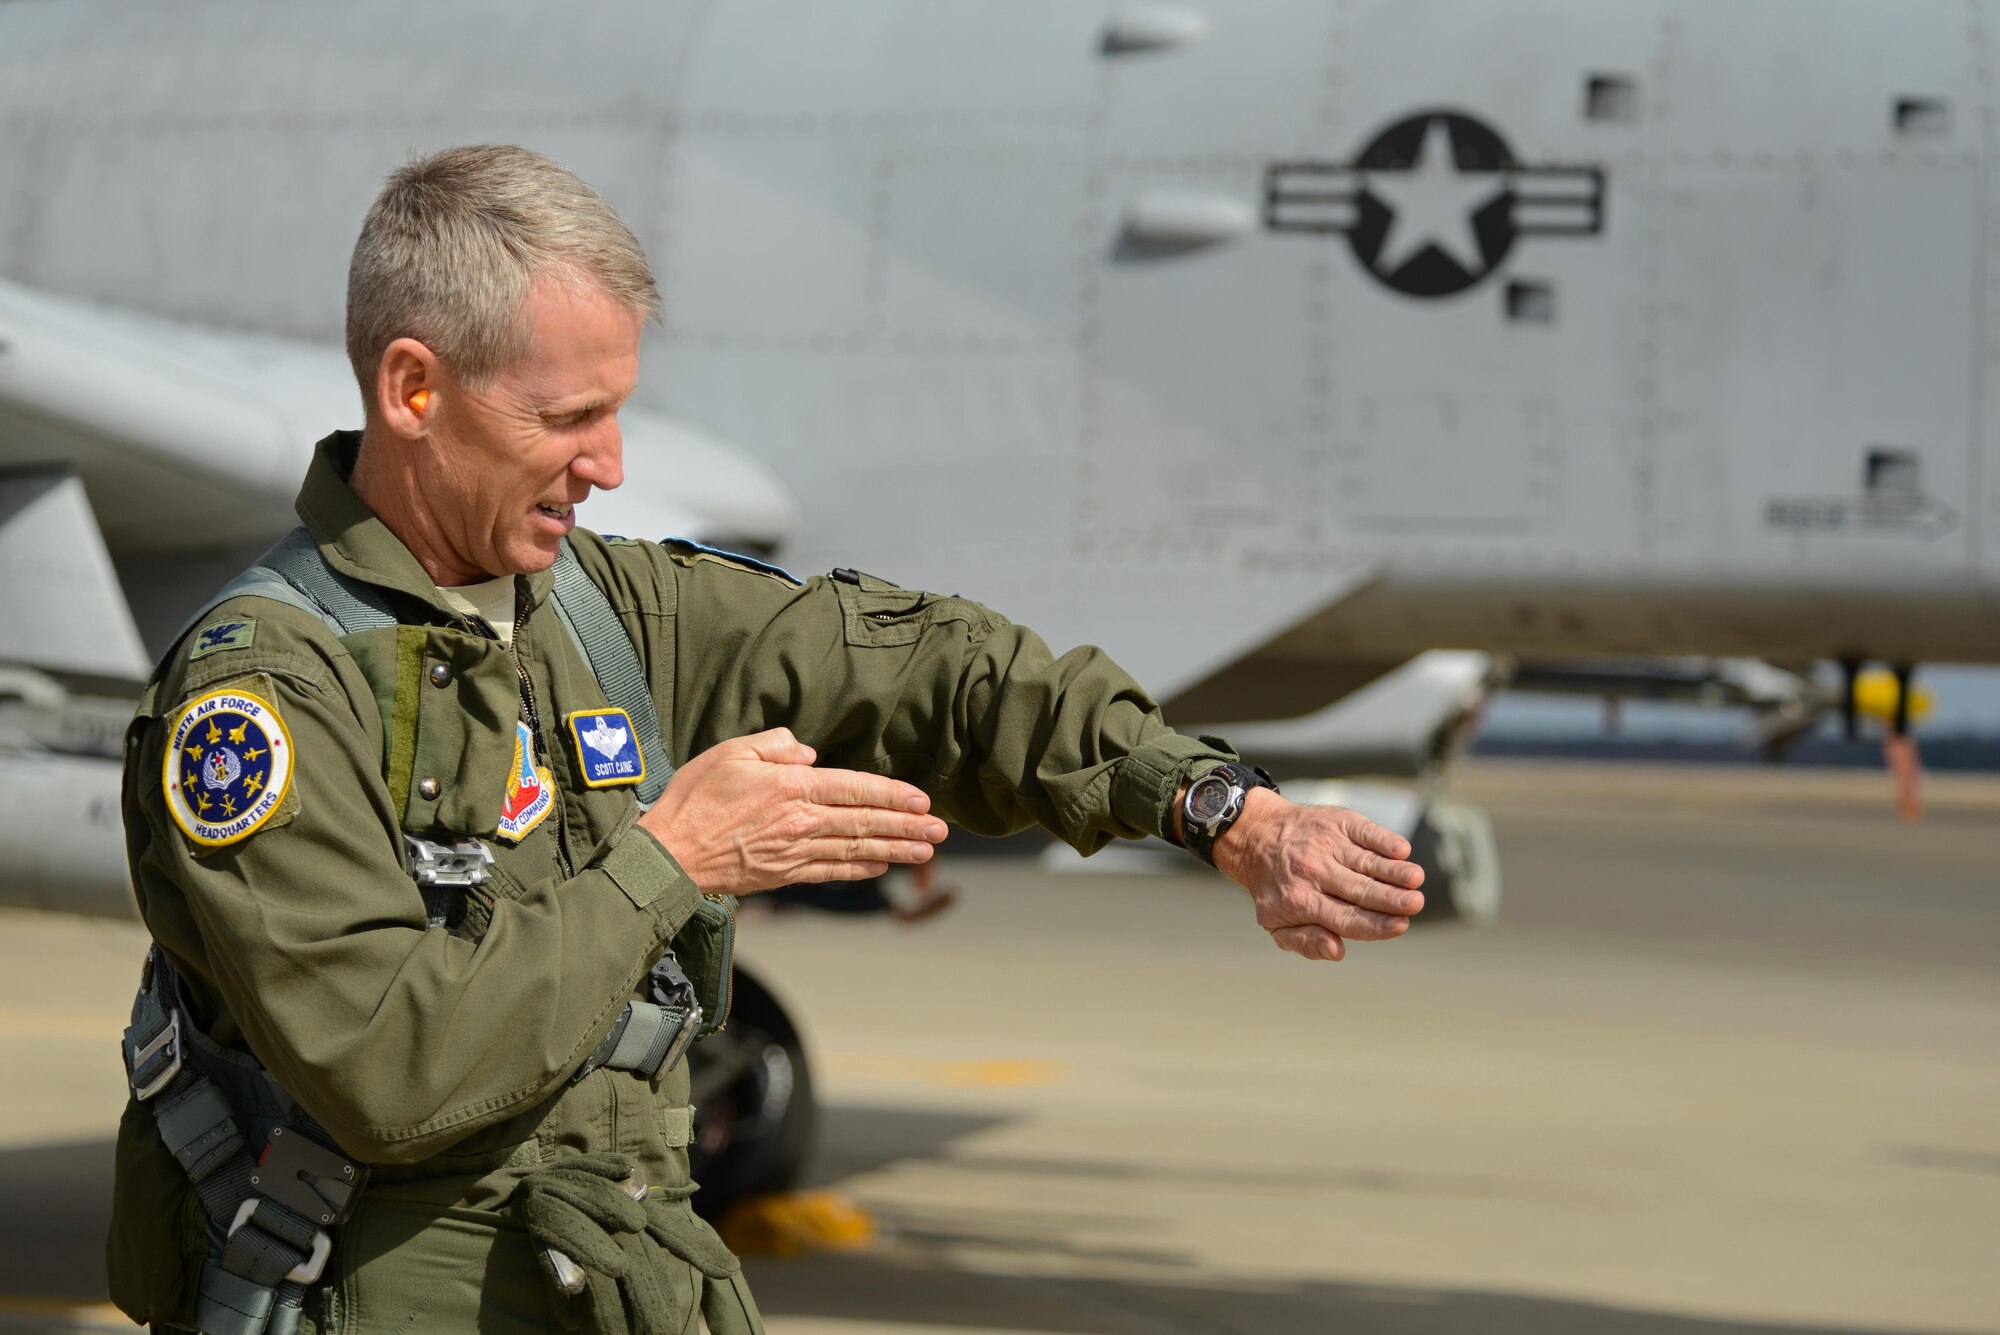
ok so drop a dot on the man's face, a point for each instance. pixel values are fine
(506, 462)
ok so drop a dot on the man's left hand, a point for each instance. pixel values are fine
(1320, 876)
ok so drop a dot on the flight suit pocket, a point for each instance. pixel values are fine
(456, 718)
(876, 613)
(158, 1232)
(706, 948)
(408, 1268)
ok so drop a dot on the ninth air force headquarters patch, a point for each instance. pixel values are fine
(228, 765)
(606, 747)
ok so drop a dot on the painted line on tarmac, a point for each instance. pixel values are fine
(939, 1071)
(53, 1024)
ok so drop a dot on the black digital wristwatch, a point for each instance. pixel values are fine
(1213, 802)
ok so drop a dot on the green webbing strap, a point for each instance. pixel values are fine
(348, 605)
(258, 583)
(646, 1039)
(638, 1042)
(600, 636)
(294, 573)
(652, 1036)
(247, 1289)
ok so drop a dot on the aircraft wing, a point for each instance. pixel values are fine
(190, 439)
(1409, 722)
(186, 439)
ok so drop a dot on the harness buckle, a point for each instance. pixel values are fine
(303, 1175)
(307, 1271)
(460, 865)
(683, 1038)
(139, 1058)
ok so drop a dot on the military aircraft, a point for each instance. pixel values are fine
(1272, 345)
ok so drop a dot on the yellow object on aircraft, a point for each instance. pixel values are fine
(1875, 693)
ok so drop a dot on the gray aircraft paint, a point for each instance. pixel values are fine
(912, 259)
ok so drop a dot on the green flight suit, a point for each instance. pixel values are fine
(443, 1058)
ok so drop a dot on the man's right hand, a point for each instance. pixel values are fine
(753, 814)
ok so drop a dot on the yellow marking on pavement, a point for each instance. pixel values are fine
(798, 1223)
(54, 1024)
(938, 1071)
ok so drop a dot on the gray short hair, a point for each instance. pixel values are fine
(454, 242)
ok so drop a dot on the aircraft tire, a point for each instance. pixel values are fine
(1454, 844)
(755, 1117)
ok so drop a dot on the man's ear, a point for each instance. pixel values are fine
(408, 385)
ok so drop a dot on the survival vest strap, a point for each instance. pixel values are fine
(296, 573)
(273, 1214)
(649, 1036)
(271, 1217)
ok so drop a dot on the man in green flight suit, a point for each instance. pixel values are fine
(286, 770)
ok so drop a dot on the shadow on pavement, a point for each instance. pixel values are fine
(55, 1205)
(863, 1138)
(883, 1292)
(913, 1280)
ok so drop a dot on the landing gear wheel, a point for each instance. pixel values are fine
(754, 1112)
(1454, 844)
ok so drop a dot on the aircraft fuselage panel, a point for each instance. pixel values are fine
(1563, 327)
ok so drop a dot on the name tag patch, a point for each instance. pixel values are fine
(607, 747)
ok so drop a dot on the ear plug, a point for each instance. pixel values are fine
(420, 402)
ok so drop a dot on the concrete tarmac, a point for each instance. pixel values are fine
(1729, 1062)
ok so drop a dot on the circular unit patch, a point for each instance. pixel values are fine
(228, 765)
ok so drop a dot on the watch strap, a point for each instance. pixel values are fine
(1199, 836)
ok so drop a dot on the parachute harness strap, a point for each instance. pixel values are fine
(274, 1213)
(600, 637)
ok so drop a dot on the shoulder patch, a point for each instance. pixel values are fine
(531, 789)
(687, 551)
(237, 633)
(228, 766)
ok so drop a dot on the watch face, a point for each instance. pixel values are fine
(1208, 799)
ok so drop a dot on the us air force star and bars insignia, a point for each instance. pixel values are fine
(1434, 203)
(531, 790)
(228, 766)
(607, 748)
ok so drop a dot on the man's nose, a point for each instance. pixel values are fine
(603, 464)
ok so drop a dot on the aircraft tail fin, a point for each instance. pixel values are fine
(62, 609)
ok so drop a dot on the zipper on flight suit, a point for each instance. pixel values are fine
(521, 611)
